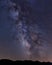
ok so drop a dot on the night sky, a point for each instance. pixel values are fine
(26, 30)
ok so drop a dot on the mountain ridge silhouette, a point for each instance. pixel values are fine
(7, 61)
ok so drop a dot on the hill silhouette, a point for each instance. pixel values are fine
(7, 61)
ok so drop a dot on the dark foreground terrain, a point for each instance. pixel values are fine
(6, 61)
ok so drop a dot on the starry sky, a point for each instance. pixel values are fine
(26, 36)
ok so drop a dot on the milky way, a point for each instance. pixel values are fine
(25, 30)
